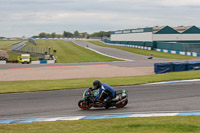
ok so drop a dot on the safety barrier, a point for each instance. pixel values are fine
(128, 45)
(30, 40)
(178, 52)
(57, 38)
(176, 66)
(44, 62)
(2, 62)
(18, 46)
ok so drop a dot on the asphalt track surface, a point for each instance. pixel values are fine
(177, 97)
(115, 52)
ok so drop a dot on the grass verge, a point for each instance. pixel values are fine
(46, 85)
(6, 45)
(146, 52)
(183, 124)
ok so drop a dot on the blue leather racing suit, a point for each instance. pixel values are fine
(105, 88)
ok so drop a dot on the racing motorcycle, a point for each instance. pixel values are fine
(88, 100)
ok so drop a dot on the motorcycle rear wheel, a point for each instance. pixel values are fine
(83, 105)
(122, 104)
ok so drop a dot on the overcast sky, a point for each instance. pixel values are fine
(30, 17)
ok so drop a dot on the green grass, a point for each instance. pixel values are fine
(44, 85)
(6, 45)
(146, 52)
(12, 56)
(178, 124)
(68, 52)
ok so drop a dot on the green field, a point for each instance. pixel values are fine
(146, 52)
(44, 85)
(6, 45)
(178, 124)
(68, 52)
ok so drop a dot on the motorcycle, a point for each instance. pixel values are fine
(88, 100)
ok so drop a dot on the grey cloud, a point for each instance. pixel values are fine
(92, 15)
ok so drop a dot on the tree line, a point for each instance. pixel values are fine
(75, 34)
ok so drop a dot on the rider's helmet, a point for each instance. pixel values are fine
(97, 84)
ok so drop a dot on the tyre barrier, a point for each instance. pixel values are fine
(176, 67)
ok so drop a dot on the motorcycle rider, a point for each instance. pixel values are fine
(106, 92)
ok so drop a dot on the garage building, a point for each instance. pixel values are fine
(181, 38)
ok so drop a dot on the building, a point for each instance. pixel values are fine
(182, 38)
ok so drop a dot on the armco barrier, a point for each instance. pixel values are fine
(163, 68)
(176, 66)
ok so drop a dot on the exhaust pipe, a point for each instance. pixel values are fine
(121, 101)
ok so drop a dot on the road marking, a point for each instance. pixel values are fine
(176, 81)
(31, 120)
(120, 61)
(106, 116)
(108, 55)
(154, 115)
(55, 66)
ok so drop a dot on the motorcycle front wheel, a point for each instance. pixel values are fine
(84, 105)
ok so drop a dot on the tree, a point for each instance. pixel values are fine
(2, 37)
(76, 34)
(67, 34)
(48, 35)
(100, 34)
(59, 35)
(42, 34)
(53, 35)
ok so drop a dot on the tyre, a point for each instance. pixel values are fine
(123, 104)
(107, 106)
(84, 105)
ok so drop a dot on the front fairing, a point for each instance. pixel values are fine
(87, 93)
(95, 93)
(124, 93)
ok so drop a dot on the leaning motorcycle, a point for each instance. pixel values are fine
(88, 100)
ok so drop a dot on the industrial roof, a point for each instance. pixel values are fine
(162, 30)
(178, 29)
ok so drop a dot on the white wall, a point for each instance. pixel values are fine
(146, 36)
(193, 37)
(176, 37)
